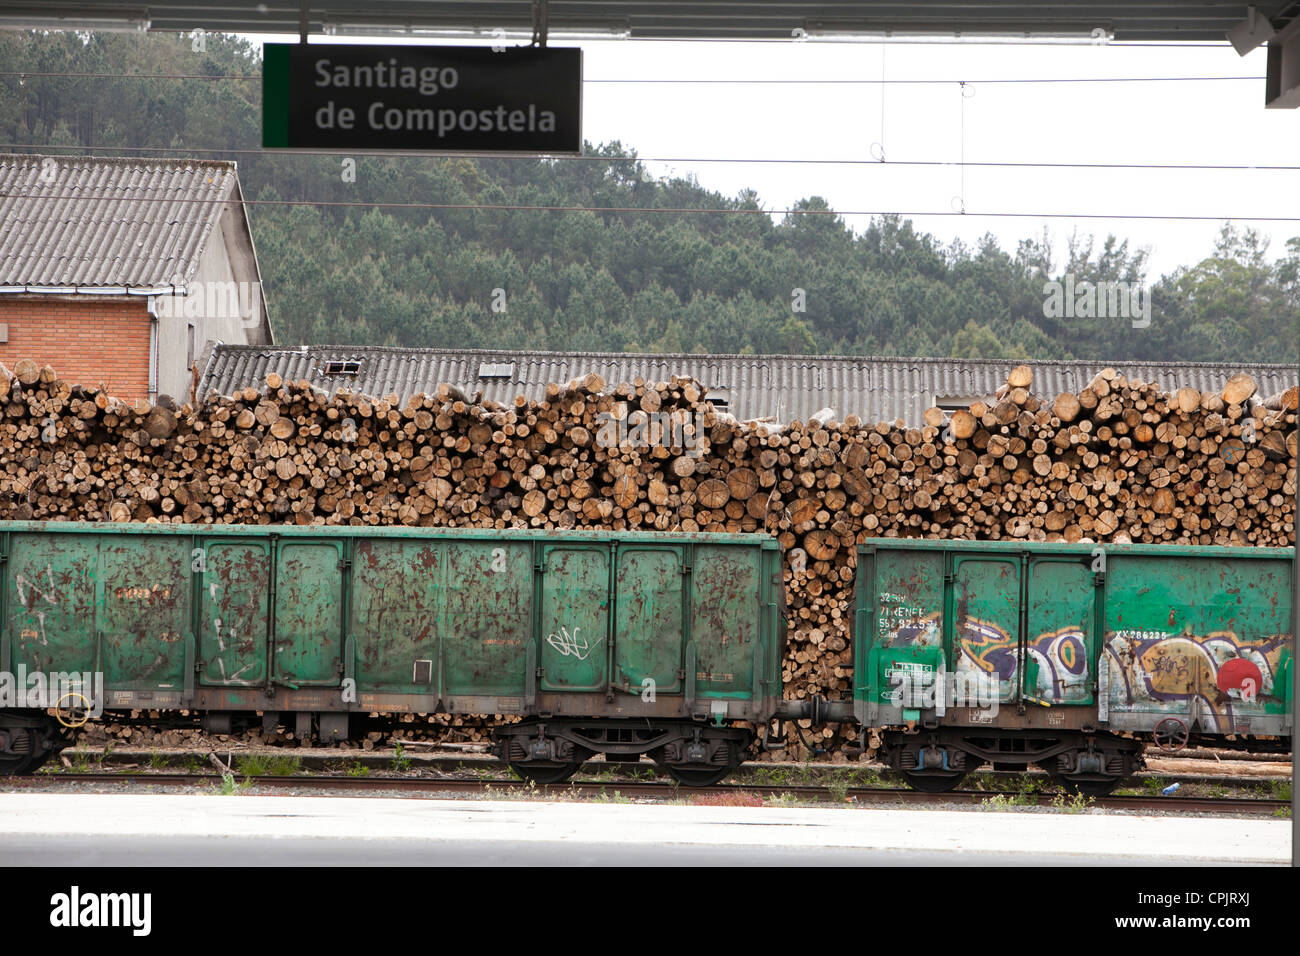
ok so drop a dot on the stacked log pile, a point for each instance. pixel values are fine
(1119, 461)
(148, 729)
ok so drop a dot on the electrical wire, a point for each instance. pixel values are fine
(939, 41)
(739, 160)
(932, 81)
(629, 210)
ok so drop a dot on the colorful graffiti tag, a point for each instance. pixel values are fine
(1061, 656)
(987, 650)
(1217, 677)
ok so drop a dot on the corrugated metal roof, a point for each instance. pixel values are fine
(88, 222)
(785, 387)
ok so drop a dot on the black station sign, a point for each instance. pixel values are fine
(425, 98)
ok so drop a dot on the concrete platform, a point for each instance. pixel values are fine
(167, 829)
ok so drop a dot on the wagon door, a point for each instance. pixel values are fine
(309, 613)
(899, 632)
(51, 609)
(648, 620)
(725, 623)
(574, 617)
(145, 617)
(488, 620)
(986, 624)
(397, 587)
(1061, 632)
(233, 612)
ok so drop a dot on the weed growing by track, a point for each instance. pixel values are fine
(741, 798)
(268, 765)
(79, 762)
(1004, 801)
(1073, 803)
(1152, 786)
(606, 797)
(230, 787)
(1064, 803)
(401, 762)
(1025, 783)
(785, 799)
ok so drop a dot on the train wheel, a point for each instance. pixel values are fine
(1088, 786)
(18, 749)
(13, 765)
(691, 775)
(934, 781)
(545, 773)
(38, 761)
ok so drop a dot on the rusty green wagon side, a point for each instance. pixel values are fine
(601, 642)
(1069, 656)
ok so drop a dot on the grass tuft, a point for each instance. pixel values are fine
(268, 765)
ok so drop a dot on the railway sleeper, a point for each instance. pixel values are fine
(693, 753)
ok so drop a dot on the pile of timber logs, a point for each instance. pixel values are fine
(1120, 461)
(147, 729)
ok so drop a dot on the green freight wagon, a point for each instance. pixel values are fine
(1068, 656)
(616, 643)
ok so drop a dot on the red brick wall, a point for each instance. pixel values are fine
(88, 339)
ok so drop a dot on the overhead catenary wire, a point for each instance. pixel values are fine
(594, 157)
(937, 40)
(929, 81)
(670, 210)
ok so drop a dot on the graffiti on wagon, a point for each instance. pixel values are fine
(569, 644)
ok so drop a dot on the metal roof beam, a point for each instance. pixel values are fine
(1153, 20)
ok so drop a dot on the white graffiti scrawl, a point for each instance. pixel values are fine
(46, 594)
(570, 645)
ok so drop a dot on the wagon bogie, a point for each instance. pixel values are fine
(939, 760)
(694, 753)
(27, 739)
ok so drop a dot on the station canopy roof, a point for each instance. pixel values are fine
(1122, 20)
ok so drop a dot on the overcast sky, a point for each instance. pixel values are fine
(1220, 122)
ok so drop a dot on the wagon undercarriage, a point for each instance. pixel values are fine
(692, 752)
(939, 760)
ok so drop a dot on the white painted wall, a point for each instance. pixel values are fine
(224, 304)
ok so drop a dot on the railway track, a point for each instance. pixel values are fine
(810, 774)
(631, 789)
